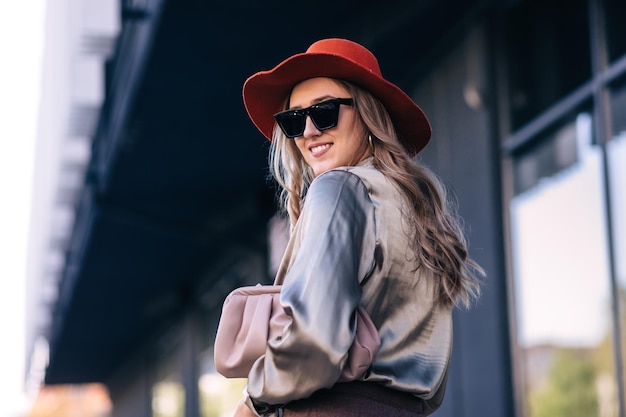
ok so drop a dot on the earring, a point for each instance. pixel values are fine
(369, 139)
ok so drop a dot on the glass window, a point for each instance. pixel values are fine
(561, 275)
(616, 150)
(547, 43)
(615, 11)
(617, 171)
(547, 158)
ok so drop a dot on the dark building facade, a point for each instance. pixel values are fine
(527, 99)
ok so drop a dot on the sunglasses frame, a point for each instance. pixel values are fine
(310, 111)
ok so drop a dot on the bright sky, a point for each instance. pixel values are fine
(21, 39)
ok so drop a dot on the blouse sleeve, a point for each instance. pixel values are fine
(320, 292)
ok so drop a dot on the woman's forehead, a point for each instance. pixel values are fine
(314, 90)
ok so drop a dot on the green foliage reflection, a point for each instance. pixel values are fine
(569, 389)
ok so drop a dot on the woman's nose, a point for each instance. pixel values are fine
(309, 128)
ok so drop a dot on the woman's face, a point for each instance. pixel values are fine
(343, 145)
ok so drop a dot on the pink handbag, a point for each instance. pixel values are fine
(253, 315)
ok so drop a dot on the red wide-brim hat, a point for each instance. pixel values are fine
(264, 93)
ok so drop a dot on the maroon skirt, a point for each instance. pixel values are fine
(357, 399)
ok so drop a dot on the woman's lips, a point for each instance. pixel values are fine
(319, 150)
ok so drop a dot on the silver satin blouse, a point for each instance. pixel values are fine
(350, 247)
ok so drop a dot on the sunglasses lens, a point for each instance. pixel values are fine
(292, 123)
(325, 115)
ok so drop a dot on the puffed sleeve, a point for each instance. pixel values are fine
(320, 292)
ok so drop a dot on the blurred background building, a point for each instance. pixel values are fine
(152, 200)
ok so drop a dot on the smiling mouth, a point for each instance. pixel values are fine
(320, 148)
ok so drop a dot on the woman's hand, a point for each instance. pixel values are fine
(242, 410)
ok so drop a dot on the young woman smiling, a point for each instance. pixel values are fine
(370, 226)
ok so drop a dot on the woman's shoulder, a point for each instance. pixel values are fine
(336, 191)
(354, 177)
(365, 170)
(369, 175)
(337, 180)
(380, 188)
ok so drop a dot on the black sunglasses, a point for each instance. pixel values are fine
(324, 116)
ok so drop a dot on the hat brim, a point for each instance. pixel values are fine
(265, 92)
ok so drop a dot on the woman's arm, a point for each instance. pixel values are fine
(320, 293)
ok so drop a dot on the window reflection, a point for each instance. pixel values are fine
(617, 170)
(561, 276)
(616, 152)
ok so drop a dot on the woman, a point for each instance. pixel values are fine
(369, 226)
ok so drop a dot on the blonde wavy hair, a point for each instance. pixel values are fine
(439, 244)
